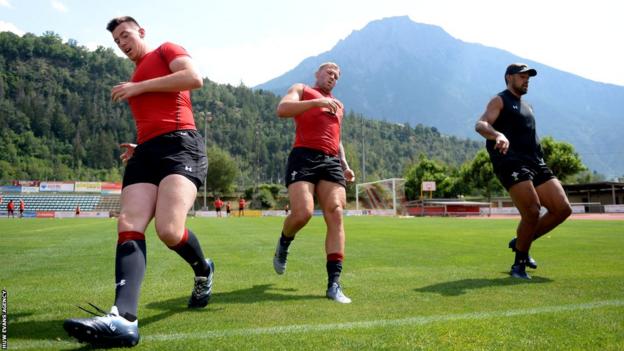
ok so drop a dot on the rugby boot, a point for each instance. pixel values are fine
(531, 263)
(202, 291)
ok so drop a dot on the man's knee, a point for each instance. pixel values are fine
(168, 234)
(301, 218)
(334, 210)
(531, 214)
(562, 211)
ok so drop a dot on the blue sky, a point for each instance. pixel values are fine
(236, 41)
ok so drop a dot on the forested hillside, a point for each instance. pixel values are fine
(59, 123)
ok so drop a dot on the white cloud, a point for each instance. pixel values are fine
(10, 27)
(5, 3)
(59, 6)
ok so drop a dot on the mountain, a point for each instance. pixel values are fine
(401, 71)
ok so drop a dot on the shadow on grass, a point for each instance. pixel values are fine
(256, 293)
(460, 287)
(52, 330)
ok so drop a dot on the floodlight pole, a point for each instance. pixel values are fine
(363, 154)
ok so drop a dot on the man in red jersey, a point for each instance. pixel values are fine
(218, 204)
(22, 207)
(10, 209)
(316, 166)
(161, 179)
(241, 206)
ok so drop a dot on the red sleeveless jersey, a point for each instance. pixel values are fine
(317, 128)
(157, 113)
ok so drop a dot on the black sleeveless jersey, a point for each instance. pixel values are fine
(517, 123)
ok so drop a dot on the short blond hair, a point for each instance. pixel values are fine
(328, 64)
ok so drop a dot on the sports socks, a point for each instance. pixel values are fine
(189, 249)
(334, 268)
(130, 259)
(521, 257)
(285, 241)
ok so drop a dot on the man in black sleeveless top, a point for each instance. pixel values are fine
(508, 125)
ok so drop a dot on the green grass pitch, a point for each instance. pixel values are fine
(416, 283)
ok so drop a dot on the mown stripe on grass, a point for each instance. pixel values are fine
(311, 328)
(420, 320)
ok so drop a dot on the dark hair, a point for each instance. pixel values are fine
(119, 20)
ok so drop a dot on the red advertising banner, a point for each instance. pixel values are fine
(26, 182)
(111, 188)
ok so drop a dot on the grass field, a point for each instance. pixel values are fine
(419, 283)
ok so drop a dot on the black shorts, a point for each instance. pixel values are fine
(313, 166)
(513, 171)
(180, 152)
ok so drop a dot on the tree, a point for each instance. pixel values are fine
(478, 175)
(222, 171)
(428, 170)
(586, 177)
(561, 158)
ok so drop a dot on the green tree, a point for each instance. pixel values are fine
(264, 199)
(586, 176)
(561, 157)
(428, 170)
(222, 171)
(478, 176)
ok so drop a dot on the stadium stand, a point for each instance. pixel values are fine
(109, 203)
(57, 202)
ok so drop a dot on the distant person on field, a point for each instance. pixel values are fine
(160, 182)
(286, 209)
(77, 210)
(10, 209)
(508, 124)
(241, 206)
(22, 207)
(316, 166)
(218, 204)
(228, 208)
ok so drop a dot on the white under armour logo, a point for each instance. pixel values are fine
(515, 175)
(187, 168)
(292, 175)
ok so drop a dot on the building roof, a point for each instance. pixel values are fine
(598, 186)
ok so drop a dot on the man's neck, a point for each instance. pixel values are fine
(514, 93)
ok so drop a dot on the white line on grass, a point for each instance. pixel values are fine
(311, 328)
(421, 320)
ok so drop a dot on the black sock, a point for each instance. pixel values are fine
(334, 268)
(521, 258)
(130, 260)
(285, 241)
(190, 250)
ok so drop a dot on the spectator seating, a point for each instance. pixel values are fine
(110, 203)
(56, 202)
